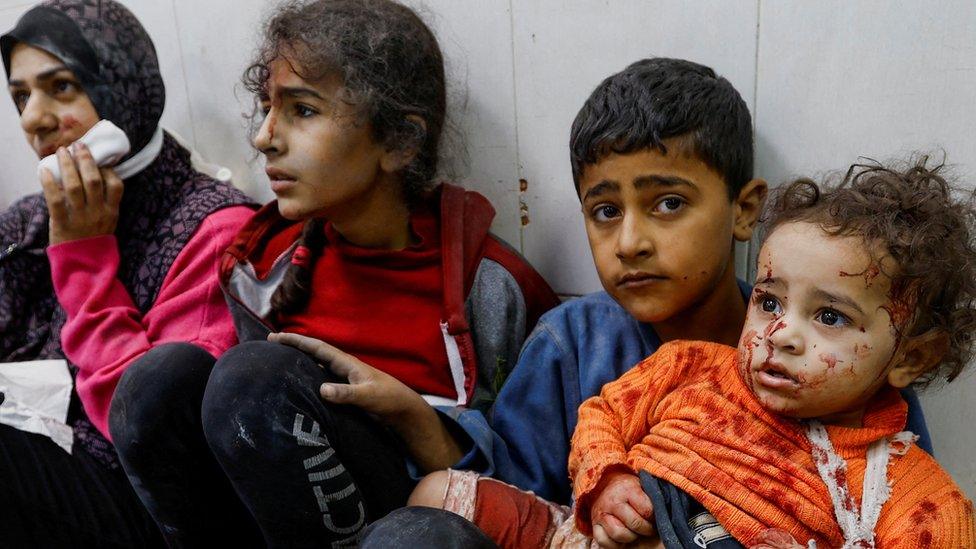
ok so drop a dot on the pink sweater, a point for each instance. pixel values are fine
(105, 332)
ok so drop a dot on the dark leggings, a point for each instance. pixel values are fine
(214, 449)
(54, 499)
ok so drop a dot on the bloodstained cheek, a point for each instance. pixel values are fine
(830, 360)
(862, 350)
(808, 382)
(69, 123)
(775, 325)
(747, 346)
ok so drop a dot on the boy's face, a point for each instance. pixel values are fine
(821, 333)
(660, 228)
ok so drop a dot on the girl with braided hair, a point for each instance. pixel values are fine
(360, 252)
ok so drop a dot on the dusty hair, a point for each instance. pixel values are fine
(659, 98)
(918, 217)
(392, 73)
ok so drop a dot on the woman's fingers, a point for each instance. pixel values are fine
(74, 190)
(54, 196)
(91, 177)
(113, 189)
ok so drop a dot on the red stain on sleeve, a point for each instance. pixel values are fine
(630, 398)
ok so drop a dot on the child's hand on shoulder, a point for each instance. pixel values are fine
(621, 512)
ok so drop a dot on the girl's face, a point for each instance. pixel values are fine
(321, 156)
(821, 333)
(54, 110)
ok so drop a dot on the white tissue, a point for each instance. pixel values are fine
(108, 144)
(36, 397)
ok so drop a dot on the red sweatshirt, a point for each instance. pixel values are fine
(446, 316)
(398, 290)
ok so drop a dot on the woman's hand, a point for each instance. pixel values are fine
(86, 203)
(621, 512)
(385, 397)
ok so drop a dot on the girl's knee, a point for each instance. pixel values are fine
(168, 378)
(252, 389)
(430, 491)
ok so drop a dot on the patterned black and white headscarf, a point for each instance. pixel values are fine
(115, 62)
(108, 51)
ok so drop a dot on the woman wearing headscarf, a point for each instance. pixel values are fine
(102, 267)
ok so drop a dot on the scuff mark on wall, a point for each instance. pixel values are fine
(523, 206)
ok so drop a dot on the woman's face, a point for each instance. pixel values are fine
(54, 110)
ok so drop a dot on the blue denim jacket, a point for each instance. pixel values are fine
(574, 350)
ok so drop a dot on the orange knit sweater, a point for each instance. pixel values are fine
(685, 415)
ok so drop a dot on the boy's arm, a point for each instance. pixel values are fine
(532, 419)
(527, 443)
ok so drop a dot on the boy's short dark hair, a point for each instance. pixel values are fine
(654, 99)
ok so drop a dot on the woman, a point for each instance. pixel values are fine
(99, 270)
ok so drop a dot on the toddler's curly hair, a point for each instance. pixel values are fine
(923, 221)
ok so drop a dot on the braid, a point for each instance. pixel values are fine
(293, 293)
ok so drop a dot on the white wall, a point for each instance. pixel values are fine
(826, 81)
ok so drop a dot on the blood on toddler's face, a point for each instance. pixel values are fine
(822, 331)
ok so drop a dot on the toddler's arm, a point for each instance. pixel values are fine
(621, 512)
(610, 424)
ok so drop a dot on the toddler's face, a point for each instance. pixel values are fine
(821, 333)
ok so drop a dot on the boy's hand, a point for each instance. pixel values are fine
(621, 512)
(86, 203)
